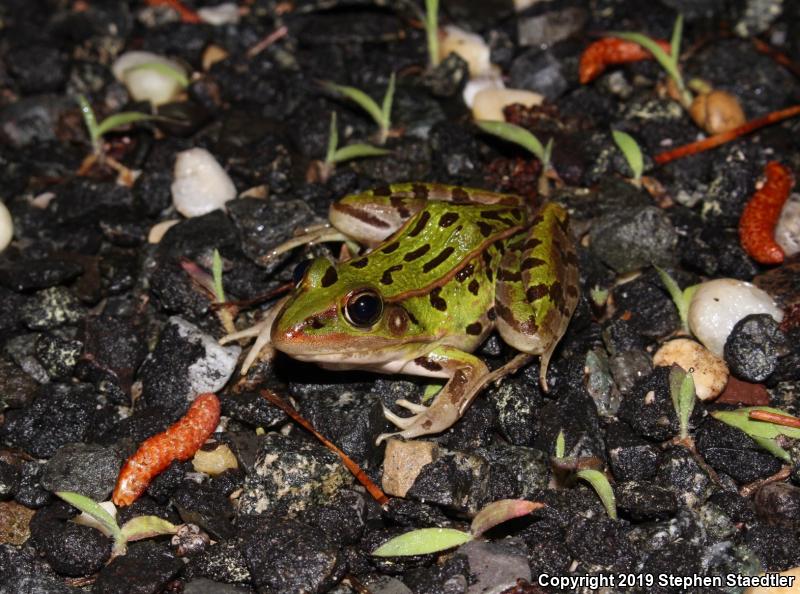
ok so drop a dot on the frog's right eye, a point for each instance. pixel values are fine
(300, 271)
(363, 308)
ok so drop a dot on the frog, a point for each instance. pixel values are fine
(441, 268)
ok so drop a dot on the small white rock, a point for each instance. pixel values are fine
(488, 104)
(469, 46)
(6, 226)
(718, 304)
(146, 84)
(201, 184)
(787, 231)
(710, 373)
(478, 84)
(221, 14)
(158, 230)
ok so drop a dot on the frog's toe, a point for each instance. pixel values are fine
(397, 420)
(261, 349)
(412, 406)
(250, 332)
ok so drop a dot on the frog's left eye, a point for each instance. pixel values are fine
(363, 308)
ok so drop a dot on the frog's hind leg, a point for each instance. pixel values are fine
(537, 287)
(311, 235)
(262, 347)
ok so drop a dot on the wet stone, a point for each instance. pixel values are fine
(251, 408)
(60, 414)
(731, 451)
(456, 480)
(633, 238)
(754, 346)
(681, 473)
(644, 501)
(146, 568)
(58, 355)
(574, 413)
(647, 305)
(88, 469)
(9, 480)
(343, 520)
(631, 457)
(206, 507)
(777, 547)
(50, 308)
(778, 504)
(599, 541)
(289, 476)
(287, 556)
(516, 472)
(629, 367)
(515, 403)
(495, 565)
(28, 275)
(37, 68)
(186, 362)
(17, 388)
(223, 561)
(74, 550)
(30, 492)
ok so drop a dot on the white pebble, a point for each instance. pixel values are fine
(201, 184)
(158, 230)
(488, 104)
(221, 14)
(710, 373)
(478, 84)
(718, 304)
(147, 84)
(6, 227)
(787, 231)
(470, 47)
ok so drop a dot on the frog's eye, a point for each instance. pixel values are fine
(300, 271)
(363, 308)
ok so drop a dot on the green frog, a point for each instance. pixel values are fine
(445, 266)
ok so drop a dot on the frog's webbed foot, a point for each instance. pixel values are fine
(469, 375)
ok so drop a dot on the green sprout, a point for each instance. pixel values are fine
(216, 272)
(432, 31)
(164, 69)
(762, 432)
(381, 114)
(134, 529)
(112, 122)
(595, 478)
(433, 540)
(684, 397)
(599, 482)
(681, 298)
(633, 154)
(336, 155)
(598, 295)
(669, 62)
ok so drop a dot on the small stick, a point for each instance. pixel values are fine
(751, 488)
(775, 418)
(360, 475)
(779, 57)
(187, 14)
(276, 35)
(718, 139)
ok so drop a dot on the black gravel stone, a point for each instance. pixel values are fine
(287, 556)
(223, 561)
(30, 492)
(778, 504)
(754, 346)
(516, 472)
(9, 480)
(644, 501)
(37, 68)
(146, 568)
(87, 469)
(58, 355)
(634, 238)
(17, 388)
(51, 308)
(152, 190)
(203, 505)
(631, 457)
(342, 521)
(600, 541)
(731, 451)
(60, 414)
(777, 547)
(27, 275)
(456, 480)
(650, 310)
(681, 473)
(545, 72)
(678, 559)
(251, 408)
(74, 550)
(516, 401)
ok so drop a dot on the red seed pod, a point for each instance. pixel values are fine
(611, 50)
(760, 215)
(178, 442)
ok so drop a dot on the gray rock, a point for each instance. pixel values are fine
(550, 27)
(539, 71)
(58, 355)
(632, 238)
(204, 586)
(457, 480)
(496, 566)
(87, 469)
(50, 308)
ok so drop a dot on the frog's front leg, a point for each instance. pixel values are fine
(466, 374)
(262, 347)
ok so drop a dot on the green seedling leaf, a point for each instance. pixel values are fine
(659, 54)
(675, 41)
(431, 390)
(681, 298)
(386, 107)
(108, 523)
(89, 119)
(432, 31)
(739, 418)
(164, 69)
(216, 271)
(357, 151)
(631, 151)
(422, 542)
(121, 119)
(682, 392)
(501, 511)
(561, 447)
(602, 487)
(146, 527)
(358, 96)
(773, 448)
(518, 135)
(599, 296)
(333, 139)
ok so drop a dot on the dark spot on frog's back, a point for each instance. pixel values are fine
(531, 262)
(386, 279)
(531, 244)
(391, 247)
(474, 329)
(417, 253)
(436, 301)
(382, 191)
(465, 273)
(426, 363)
(448, 219)
(485, 228)
(400, 204)
(329, 278)
(361, 215)
(420, 191)
(438, 260)
(360, 263)
(474, 287)
(460, 195)
(424, 216)
(536, 292)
